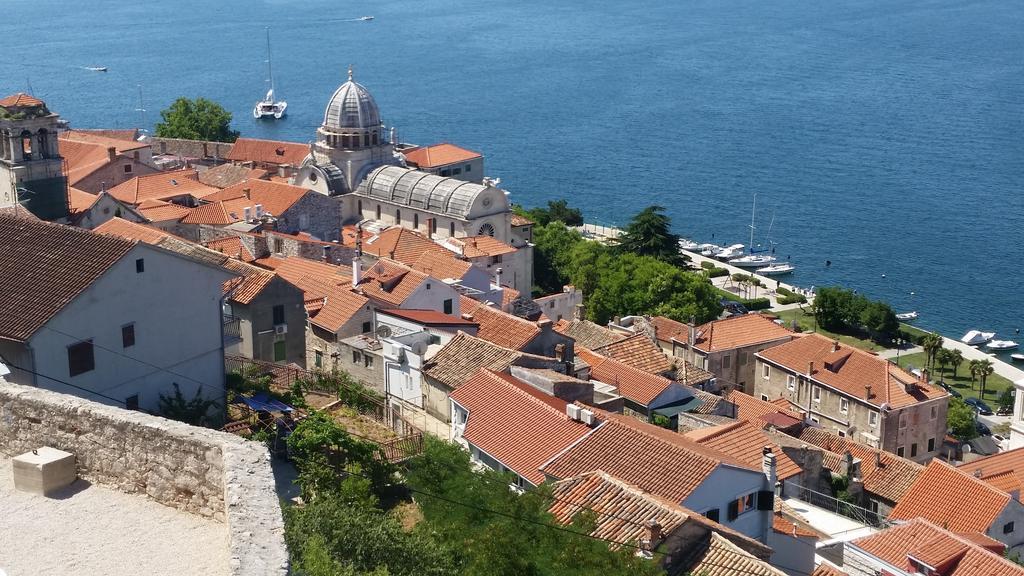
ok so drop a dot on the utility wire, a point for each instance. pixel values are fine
(94, 393)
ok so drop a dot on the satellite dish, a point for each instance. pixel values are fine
(379, 269)
(383, 331)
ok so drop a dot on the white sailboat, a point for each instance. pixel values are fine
(753, 261)
(776, 269)
(268, 107)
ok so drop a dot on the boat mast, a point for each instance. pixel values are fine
(753, 210)
(142, 112)
(270, 69)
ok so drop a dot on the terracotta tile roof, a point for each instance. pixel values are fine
(737, 332)
(508, 296)
(849, 370)
(518, 220)
(275, 197)
(744, 441)
(623, 510)
(639, 352)
(667, 329)
(884, 473)
(338, 305)
(429, 317)
(252, 281)
(720, 557)
(588, 334)
(231, 246)
(925, 541)
(438, 155)
(499, 327)
(825, 569)
(515, 423)
(654, 459)
(131, 231)
(390, 282)
(294, 268)
(46, 266)
(160, 211)
(788, 521)
(229, 174)
(268, 151)
(755, 409)
(80, 200)
(161, 186)
(442, 265)
(81, 158)
(463, 355)
(129, 134)
(632, 383)
(403, 245)
(478, 246)
(98, 138)
(986, 542)
(217, 213)
(1005, 470)
(975, 508)
(21, 100)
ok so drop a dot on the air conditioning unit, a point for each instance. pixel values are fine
(572, 411)
(259, 211)
(587, 417)
(281, 329)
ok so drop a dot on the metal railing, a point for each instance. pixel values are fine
(232, 328)
(836, 506)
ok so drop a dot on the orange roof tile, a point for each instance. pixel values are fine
(438, 155)
(588, 334)
(275, 197)
(268, 151)
(338, 306)
(721, 557)
(632, 383)
(623, 510)
(46, 266)
(132, 231)
(403, 245)
(478, 246)
(975, 508)
(1004, 470)
(230, 174)
(429, 317)
(81, 158)
(390, 282)
(735, 332)
(231, 246)
(884, 473)
(294, 268)
(824, 569)
(20, 100)
(667, 329)
(654, 459)
(850, 369)
(441, 264)
(639, 352)
(518, 220)
(950, 554)
(783, 525)
(160, 211)
(463, 355)
(252, 281)
(745, 441)
(121, 145)
(510, 295)
(161, 186)
(499, 327)
(515, 423)
(755, 409)
(80, 200)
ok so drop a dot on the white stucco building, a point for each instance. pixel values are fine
(108, 319)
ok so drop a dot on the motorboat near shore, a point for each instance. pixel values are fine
(1017, 357)
(753, 261)
(907, 316)
(977, 337)
(1001, 345)
(776, 269)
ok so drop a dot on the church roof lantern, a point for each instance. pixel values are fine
(351, 107)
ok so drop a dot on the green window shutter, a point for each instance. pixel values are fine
(280, 351)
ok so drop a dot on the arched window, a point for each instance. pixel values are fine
(433, 225)
(344, 141)
(486, 230)
(26, 144)
(415, 221)
(366, 139)
(374, 137)
(398, 216)
(378, 211)
(451, 229)
(42, 148)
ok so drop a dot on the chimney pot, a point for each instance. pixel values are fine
(977, 473)
(867, 391)
(835, 345)
(247, 192)
(653, 533)
(810, 368)
(579, 312)
(111, 153)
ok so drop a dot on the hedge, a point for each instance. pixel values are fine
(716, 272)
(790, 297)
(749, 303)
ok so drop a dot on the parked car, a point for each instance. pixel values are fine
(982, 428)
(952, 391)
(979, 406)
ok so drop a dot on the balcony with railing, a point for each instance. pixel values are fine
(232, 330)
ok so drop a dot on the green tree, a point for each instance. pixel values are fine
(1004, 401)
(960, 420)
(324, 452)
(198, 119)
(931, 343)
(956, 358)
(972, 367)
(880, 321)
(943, 357)
(985, 369)
(649, 234)
(556, 211)
(199, 411)
(553, 243)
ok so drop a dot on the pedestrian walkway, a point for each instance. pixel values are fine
(892, 352)
(1011, 373)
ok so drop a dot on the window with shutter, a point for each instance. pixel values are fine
(765, 500)
(734, 510)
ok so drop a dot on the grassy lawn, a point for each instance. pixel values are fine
(962, 381)
(806, 323)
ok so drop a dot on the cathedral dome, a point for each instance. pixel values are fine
(352, 106)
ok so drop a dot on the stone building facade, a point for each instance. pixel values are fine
(31, 168)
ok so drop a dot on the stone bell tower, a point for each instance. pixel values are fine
(31, 169)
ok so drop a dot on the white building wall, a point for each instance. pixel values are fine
(724, 485)
(432, 298)
(794, 555)
(1017, 420)
(175, 305)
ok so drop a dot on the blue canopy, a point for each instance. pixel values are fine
(261, 402)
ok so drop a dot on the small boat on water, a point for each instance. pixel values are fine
(366, 18)
(1017, 357)
(729, 252)
(1001, 345)
(268, 107)
(708, 249)
(753, 261)
(976, 337)
(776, 269)
(96, 68)
(689, 245)
(907, 316)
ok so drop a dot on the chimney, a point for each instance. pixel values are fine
(878, 459)
(246, 191)
(280, 172)
(579, 312)
(497, 277)
(357, 270)
(810, 368)
(111, 153)
(653, 533)
(560, 352)
(544, 325)
(867, 391)
(768, 465)
(247, 213)
(835, 345)
(977, 473)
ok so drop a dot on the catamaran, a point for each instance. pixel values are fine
(268, 107)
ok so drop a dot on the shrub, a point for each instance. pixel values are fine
(790, 297)
(716, 272)
(707, 265)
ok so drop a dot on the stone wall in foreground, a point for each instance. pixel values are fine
(197, 470)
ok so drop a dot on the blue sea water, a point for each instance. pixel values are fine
(885, 136)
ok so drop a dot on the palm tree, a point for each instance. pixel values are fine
(973, 367)
(956, 358)
(943, 357)
(985, 369)
(931, 343)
